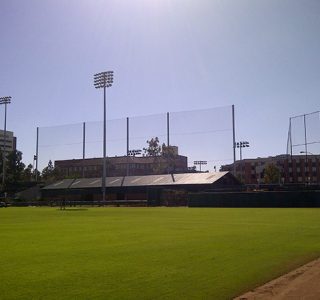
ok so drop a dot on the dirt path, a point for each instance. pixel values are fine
(302, 283)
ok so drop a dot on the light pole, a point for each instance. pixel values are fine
(200, 163)
(104, 80)
(5, 101)
(240, 145)
(132, 153)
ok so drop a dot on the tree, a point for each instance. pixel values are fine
(154, 148)
(50, 173)
(28, 173)
(14, 167)
(271, 174)
(164, 156)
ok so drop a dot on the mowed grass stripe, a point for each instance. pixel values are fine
(150, 253)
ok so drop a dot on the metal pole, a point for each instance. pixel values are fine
(104, 147)
(168, 143)
(128, 147)
(83, 147)
(168, 129)
(37, 153)
(290, 136)
(305, 149)
(234, 141)
(241, 164)
(4, 145)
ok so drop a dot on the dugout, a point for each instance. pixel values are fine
(153, 190)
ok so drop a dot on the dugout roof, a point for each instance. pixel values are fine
(138, 181)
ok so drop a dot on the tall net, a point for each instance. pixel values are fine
(204, 135)
(59, 142)
(200, 135)
(304, 134)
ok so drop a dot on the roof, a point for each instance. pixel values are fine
(148, 180)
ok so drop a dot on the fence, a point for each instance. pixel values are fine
(200, 135)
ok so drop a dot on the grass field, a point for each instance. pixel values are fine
(150, 253)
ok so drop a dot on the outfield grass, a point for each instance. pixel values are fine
(150, 253)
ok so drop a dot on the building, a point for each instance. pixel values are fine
(123, 166)
(10, 142)
(292, 169)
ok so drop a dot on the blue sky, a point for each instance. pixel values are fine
(167, 55)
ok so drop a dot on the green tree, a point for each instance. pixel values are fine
(28, 173)
(154, 148)
(50, 173)
(14, 167)
(271, 174)
(164, 156)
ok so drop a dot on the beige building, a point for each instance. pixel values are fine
(10, 143)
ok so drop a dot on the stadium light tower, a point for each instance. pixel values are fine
(200, 163)
(242, 145)
(5, 101)
(104, 80)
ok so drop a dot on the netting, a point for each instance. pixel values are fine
(205, 135)
(304, 134)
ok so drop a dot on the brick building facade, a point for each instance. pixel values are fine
(292, 169)
(122, 166)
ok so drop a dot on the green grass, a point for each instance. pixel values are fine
(150, 253)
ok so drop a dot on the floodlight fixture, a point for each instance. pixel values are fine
(240, 145)
(5, 100)
(103, 79)
(134, 152)
(200, 163)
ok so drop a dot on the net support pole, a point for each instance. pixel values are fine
(128, 146)
(305, 148)
(290, 138)
(234, 140)
(83, 147)
(37, 153)
(168, 141)
(168, 129)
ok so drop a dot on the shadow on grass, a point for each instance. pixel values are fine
(73, 209)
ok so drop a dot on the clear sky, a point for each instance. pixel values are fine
(167, 55)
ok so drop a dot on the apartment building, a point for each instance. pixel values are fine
(9, 143)
(292, 169)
